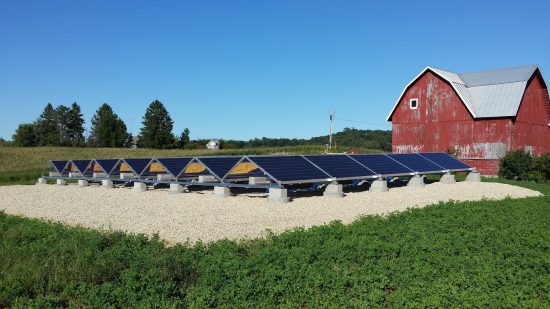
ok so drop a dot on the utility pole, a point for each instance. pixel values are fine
(330, 131)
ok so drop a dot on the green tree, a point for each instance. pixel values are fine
(62, 121)
(184, 138)
(74, 123)
(157, 127)
(108, 130)
(25, 135)
(47, 129)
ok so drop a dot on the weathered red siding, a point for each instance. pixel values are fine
(443, 123)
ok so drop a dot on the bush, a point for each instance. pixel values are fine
(540, 170)
(516, 165)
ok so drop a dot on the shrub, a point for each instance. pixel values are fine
(540, 170)
(516, 165)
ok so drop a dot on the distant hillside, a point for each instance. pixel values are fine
(348, 138)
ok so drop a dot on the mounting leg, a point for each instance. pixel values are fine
(175, 188)
(447, 178)
(278, 195)
(107, 184)
(379, 185)
(83, 183)
(334, 190)
(416, 181)
(140, 187)
(61, 182)
(473, 176)
(42, 181)
(222, 191)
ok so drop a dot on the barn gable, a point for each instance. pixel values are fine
(486, 94)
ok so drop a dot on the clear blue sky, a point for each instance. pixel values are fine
(244, 69)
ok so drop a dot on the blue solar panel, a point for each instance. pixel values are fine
(81, 165)
(174, 165)
(381, 164)
(289, 168)
(59, 165)
(445, 160)
(138, 165)
(107, 164)
(340, 166)
(416, 162)
(219, 165)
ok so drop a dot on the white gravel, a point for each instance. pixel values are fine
(193, 216)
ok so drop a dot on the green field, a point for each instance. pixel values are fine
(469, 254)
(23, 165)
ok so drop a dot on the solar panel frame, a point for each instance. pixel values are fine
(137, 165)
(166, 164)
(60, 165)
(278, 179)
(337, 174)
(465, 167)
(78, 165)
(214, 167)
(404, 159)
(242, 177)
(103, 162)
(380, 170)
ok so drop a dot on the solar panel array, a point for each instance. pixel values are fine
(282, 169)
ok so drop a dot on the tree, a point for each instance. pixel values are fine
(47, 129)
(184, 138)
(61, 117)
(157, 127)
(74, 124)
(25, 135)
(108, 130)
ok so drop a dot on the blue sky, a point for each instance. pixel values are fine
(244, 69)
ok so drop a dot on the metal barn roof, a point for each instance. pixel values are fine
(486, 94)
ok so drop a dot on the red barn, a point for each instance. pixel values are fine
(477, 116)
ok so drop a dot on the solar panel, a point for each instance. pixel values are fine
(382, 164)
(59, 165)
(81, 165)
(242, 170)
(445, 160)
(289, 169)
(219, 165)
(416, 162)
(340, 166)
(107, 164)
(174, 165)
(138, 165)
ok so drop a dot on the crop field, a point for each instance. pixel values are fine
(467, 254)
(23, 165)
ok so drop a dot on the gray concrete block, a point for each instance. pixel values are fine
(379, 185)
(207, 178)
(278, 195)
(83, 183)
(42, 181)
(99, 175)
(473, 176)
(127, 175)
(447, 178)
(107, 184)
(222, 191)
(55, 174)
(176, 188)
(161, 177)
(416, 181)
(334, 190)
(75, 174)
(140, 187)
(61, 182)
(258, 181)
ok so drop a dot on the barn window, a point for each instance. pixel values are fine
(413, 103)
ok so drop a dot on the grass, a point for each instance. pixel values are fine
(468, 254)
(21, 165)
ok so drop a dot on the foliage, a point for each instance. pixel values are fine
(157, 127)
(108, 130)
(25, 135)
(448, 255)
(47, 129)
(523, 166)
(184, 138)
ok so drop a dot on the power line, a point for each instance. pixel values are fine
(363, 122)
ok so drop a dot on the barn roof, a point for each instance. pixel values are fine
(486, 94)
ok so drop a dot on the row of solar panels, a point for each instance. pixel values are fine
(285, 169)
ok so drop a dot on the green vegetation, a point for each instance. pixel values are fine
(157, 128)
(523, 166)
(108, 130)
(471, 254)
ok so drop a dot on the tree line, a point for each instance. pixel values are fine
(64, 126)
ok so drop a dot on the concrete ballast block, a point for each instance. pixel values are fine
(42, 181)
(222, 191)
(140, 187)
(161, 177)
(127, 175)
(207, 178)
(258, 181)
(278, 195)
(473, 176)
(61, 182)
(176, 188)
(83, 183)
(75, 174)
(55, 174)
(379, 185)
(107, 184)
(334, 190)
(416, 181)
(447, 178)
(99, 175)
